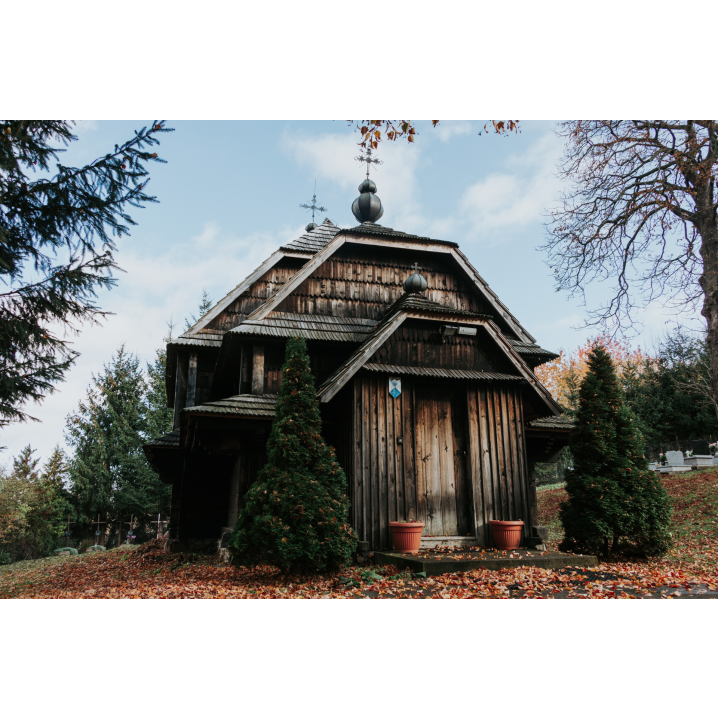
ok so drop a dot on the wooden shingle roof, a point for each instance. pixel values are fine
(318, 327)
(255, 405)
(314, 241)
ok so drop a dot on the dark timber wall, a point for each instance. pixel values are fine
(490, 480)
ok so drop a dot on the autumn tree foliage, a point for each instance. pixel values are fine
(296, 515)
(374, 131)
(563, 376)
(614, 503)
(640, 211)
(56, 247)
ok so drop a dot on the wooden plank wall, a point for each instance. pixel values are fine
(382, 473)
(257, 294)
(417, 343)
(498, 456)
(383, 479)
(353, 283)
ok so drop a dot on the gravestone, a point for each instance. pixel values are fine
(674, 458)
(674, 463)
(700, 448)
(701, 454)
(65, 551)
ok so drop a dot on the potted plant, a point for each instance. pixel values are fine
(507, 534)
(662, 459)
(406, 535)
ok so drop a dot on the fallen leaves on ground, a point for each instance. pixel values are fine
(690, 568)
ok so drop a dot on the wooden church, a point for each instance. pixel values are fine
(425, 381)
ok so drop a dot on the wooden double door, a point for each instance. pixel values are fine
(444, 493)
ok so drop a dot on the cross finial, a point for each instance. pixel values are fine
(314, 206)
(369, 160)
(416, 267)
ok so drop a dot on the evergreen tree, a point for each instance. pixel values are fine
(614, 502)
(109, 471)
(56, 244)
(33, 508)
(159, 416)
(296, 514)
(205, 305)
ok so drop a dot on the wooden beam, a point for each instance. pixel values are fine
(418, 245)
(191, 379)
(180, 388)
(258, 369)
(319, 259)
(245, 360)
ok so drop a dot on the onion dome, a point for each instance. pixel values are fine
(310, 227)
(415, 283)
(367, 206)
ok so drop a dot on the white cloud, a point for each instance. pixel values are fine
(519, 197)
(447, 129)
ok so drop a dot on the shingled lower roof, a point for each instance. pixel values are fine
(552, 422)
(255, 405)
(169, 441)
(533, 350)
(439, 373)
(202, 339)
(318, 327)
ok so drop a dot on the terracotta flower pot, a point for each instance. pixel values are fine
(406, 536)
(507, 534)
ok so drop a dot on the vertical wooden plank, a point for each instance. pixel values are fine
(485, 462)
(258, 369)
(382, 473)
(474, 449)
(432, 464)
(410, 455)
(448, 479)
(527, 472)
(500, 463)
(516, 477)
(191, 379)
(463, 494)
(495, 474)
(422, 491)
(399, 449)
(374, 455)
(180, 388)
(506, 445)
(356, 458)
(366, 459)
(391, 447)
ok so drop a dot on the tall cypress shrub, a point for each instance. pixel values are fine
(614, 503)
(296, 515)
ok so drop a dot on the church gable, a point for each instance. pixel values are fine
(421, 343)
(365, 280)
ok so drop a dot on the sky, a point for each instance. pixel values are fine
(229, 195)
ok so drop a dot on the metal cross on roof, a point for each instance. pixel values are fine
(369, 160)
(416, 267)
(314, 206)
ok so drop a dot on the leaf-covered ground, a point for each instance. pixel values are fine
(690, 568)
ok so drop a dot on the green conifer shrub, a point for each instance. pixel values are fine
(615, 505)
(296, 514)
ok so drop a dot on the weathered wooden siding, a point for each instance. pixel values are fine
(390, 481)
(257, 294)
(419, 343)
(444, 494)
(383, 480)
(358, 283)
(498, 456)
